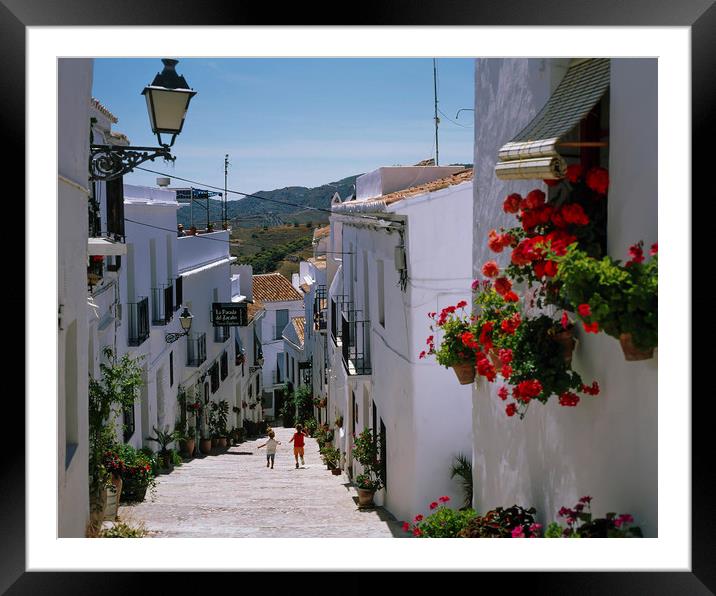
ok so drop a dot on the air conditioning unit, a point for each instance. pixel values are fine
(399, 258)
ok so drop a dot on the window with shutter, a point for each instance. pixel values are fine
(115, 208)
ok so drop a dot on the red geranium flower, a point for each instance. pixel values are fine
(654, 249)
(511, 297)
(552, 182)
(565, 321)
(598, 180)
(422, 354)
(444, 499)
(591, 327)
(502, 393)
(433, 505)
(535, 199)
(418, 518)
(584, 310)
(502, 285)
(574, 214)
(574, 172)
(568, 399)
(494, 241)
(636, 252)
(417, 532)
(511, 409)
(512, 203)
(461, 304)
(490, 269)
(406, 527)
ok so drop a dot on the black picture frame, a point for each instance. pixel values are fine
(700, 15)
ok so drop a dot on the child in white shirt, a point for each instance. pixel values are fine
(270, 448)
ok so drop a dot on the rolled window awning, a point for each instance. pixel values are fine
(534, 152)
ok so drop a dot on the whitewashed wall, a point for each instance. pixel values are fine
(425, 411)
(74, 91)
(605, 447)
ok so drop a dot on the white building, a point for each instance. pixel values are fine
(74, 93)
(607, 446)
(391, 269)
(281, 302)
(248, 356)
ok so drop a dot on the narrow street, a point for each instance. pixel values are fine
(234, 495)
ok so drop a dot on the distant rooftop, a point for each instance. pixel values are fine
(299, 325)
(102, 109)
(254, 309)
(322, 232)
(274, 287)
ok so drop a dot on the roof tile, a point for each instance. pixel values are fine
(274, 287)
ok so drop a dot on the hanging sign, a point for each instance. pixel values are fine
(229, 314)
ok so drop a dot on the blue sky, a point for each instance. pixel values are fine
(295, 121)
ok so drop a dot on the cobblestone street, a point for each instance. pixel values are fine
(234, 495)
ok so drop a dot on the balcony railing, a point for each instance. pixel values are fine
(320, 306)
(338, 303)
(222, 334)
(355, 337)
(195, 349)
(162, 304)
(138, 321)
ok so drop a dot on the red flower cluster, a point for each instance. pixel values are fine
(654, 249)
(568, 399)
(502, 392)
(636, 252)
(526, 390)
(591, 390)
(511, 409)
(485, 367)
(574, 173)
(598, 180)
(490, 269)
(591, 327)
(584, 310)
(512, 203)
(497, 242)
(510, 324)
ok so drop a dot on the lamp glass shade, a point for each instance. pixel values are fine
(167, 108)
(185, 319)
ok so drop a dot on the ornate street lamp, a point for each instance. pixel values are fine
(168, 100)
(185, 319)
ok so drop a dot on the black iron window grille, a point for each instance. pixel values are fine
(224, 365)
(355, 337)
(196, 349)
(222, 334)
(214, 376)
(168, 302)
(159, 306)
(178, 292)
(138, 314)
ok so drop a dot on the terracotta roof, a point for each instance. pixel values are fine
(254, 309)
(299, 325)
(322, 232)
(102, 109)
(274, 287)
(456, 178)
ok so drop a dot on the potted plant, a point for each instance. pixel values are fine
(442, 522)
(338, 421)
(621, 300)
(365, 451)
(581, 524)
(164, 438)
(452, 350)
(222, 417)
(137, 473)
(536, 367)
(330, 455)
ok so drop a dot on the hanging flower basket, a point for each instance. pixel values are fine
(631, 352)
(465, 372)
(568, 342)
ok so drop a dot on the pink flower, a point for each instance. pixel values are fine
(475, 284)
(518, 532)
(586, 499)
(422, 355)
(417, 532)
(636, 252)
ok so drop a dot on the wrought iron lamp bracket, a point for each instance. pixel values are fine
(172, 337)
(111, 161)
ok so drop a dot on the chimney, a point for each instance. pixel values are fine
(162, 181)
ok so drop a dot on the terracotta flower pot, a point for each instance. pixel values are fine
(631, 352)
(222, 443)
(336, 471)
(189, 445)
(214, 442)
(465, 372)
(567, 341)
(365, 497)
(205, 446)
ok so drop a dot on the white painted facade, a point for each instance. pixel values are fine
(204, 263)
(272, 343)
(424, 411)
(74, 92)
(605, 447)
